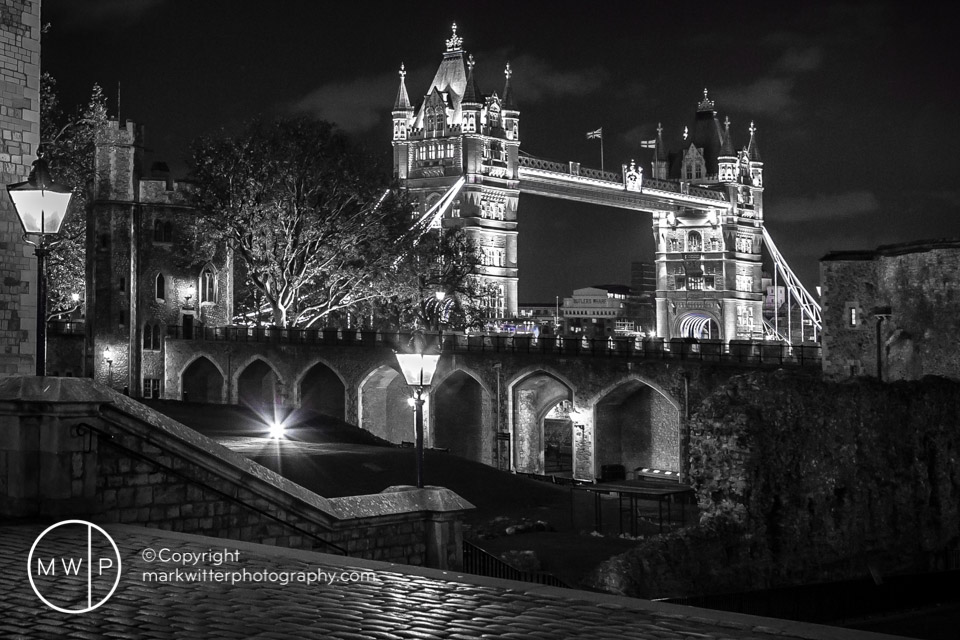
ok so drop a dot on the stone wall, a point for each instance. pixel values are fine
(916, 288)
(801, 480)
(69, 448)
(20, 125)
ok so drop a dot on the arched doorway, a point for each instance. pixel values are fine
(383, 408)
(321, 390)
(558, 439)
(534, 398)
(202, 382)
(461, 408)
(638, 427)
(257, 386)
(699, 325)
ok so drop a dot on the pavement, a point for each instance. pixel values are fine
(349, 599)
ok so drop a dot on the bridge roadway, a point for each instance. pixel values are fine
(513, 403)
(572, 182)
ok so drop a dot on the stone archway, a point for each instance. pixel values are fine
(636, 426)
(258, 386)
(461, 411)
(383, 409)
(201, 381)
(321, 390)
(533, 398)
(698, 324)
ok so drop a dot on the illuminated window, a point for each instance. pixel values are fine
(695, 283)
(674, 245)
(694, 241)
(853, 316)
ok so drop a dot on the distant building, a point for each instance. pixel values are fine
(545, 316)
(893, 312)
(603, 311)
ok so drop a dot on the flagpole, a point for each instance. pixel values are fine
(601, 149)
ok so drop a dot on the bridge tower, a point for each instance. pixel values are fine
(457, 133)
(709, 260)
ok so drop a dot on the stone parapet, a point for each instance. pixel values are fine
(72, 448)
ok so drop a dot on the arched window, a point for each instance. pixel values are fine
(157, 340)
(694, 241)
(161, 287)
(208, 285)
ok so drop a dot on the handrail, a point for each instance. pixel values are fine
(481, 563)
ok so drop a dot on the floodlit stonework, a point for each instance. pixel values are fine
(906, 297)
(20, 124)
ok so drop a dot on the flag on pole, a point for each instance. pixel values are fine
(648, 144)
(593, 135)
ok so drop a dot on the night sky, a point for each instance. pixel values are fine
(854, 102)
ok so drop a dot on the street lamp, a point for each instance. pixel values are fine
(41, 205)
(418, 369)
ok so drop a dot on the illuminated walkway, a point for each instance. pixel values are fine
(400, 603)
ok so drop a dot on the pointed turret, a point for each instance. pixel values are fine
(472, 93)
(402, 109)
(661, 160)
(403, 99)
(727, 161)
(507, 99)
(511, 116)
(753, 155)
(472, 103)
(753, 151)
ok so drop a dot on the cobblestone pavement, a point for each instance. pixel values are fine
(397, 603)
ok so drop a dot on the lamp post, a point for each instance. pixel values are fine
(41, 205)
(108, 356)
(418, 369)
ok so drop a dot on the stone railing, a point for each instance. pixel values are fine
(744, 353)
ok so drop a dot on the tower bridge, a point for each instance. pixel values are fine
(457, 151)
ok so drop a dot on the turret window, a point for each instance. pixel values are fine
(160, 287)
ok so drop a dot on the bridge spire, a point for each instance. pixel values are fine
(753, 151)
(403, 99)
(507, 99)
(454, 42)
(471, 95)
(706, 104)
(726, 148)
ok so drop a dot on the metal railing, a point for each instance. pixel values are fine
(479, 562)
(747, 353)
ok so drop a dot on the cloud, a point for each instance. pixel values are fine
(768, 96)
(356, 105)
(800, 60)
(535, 79)
(359, 104)
(823, 208)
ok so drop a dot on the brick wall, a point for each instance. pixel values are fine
(20, 130)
